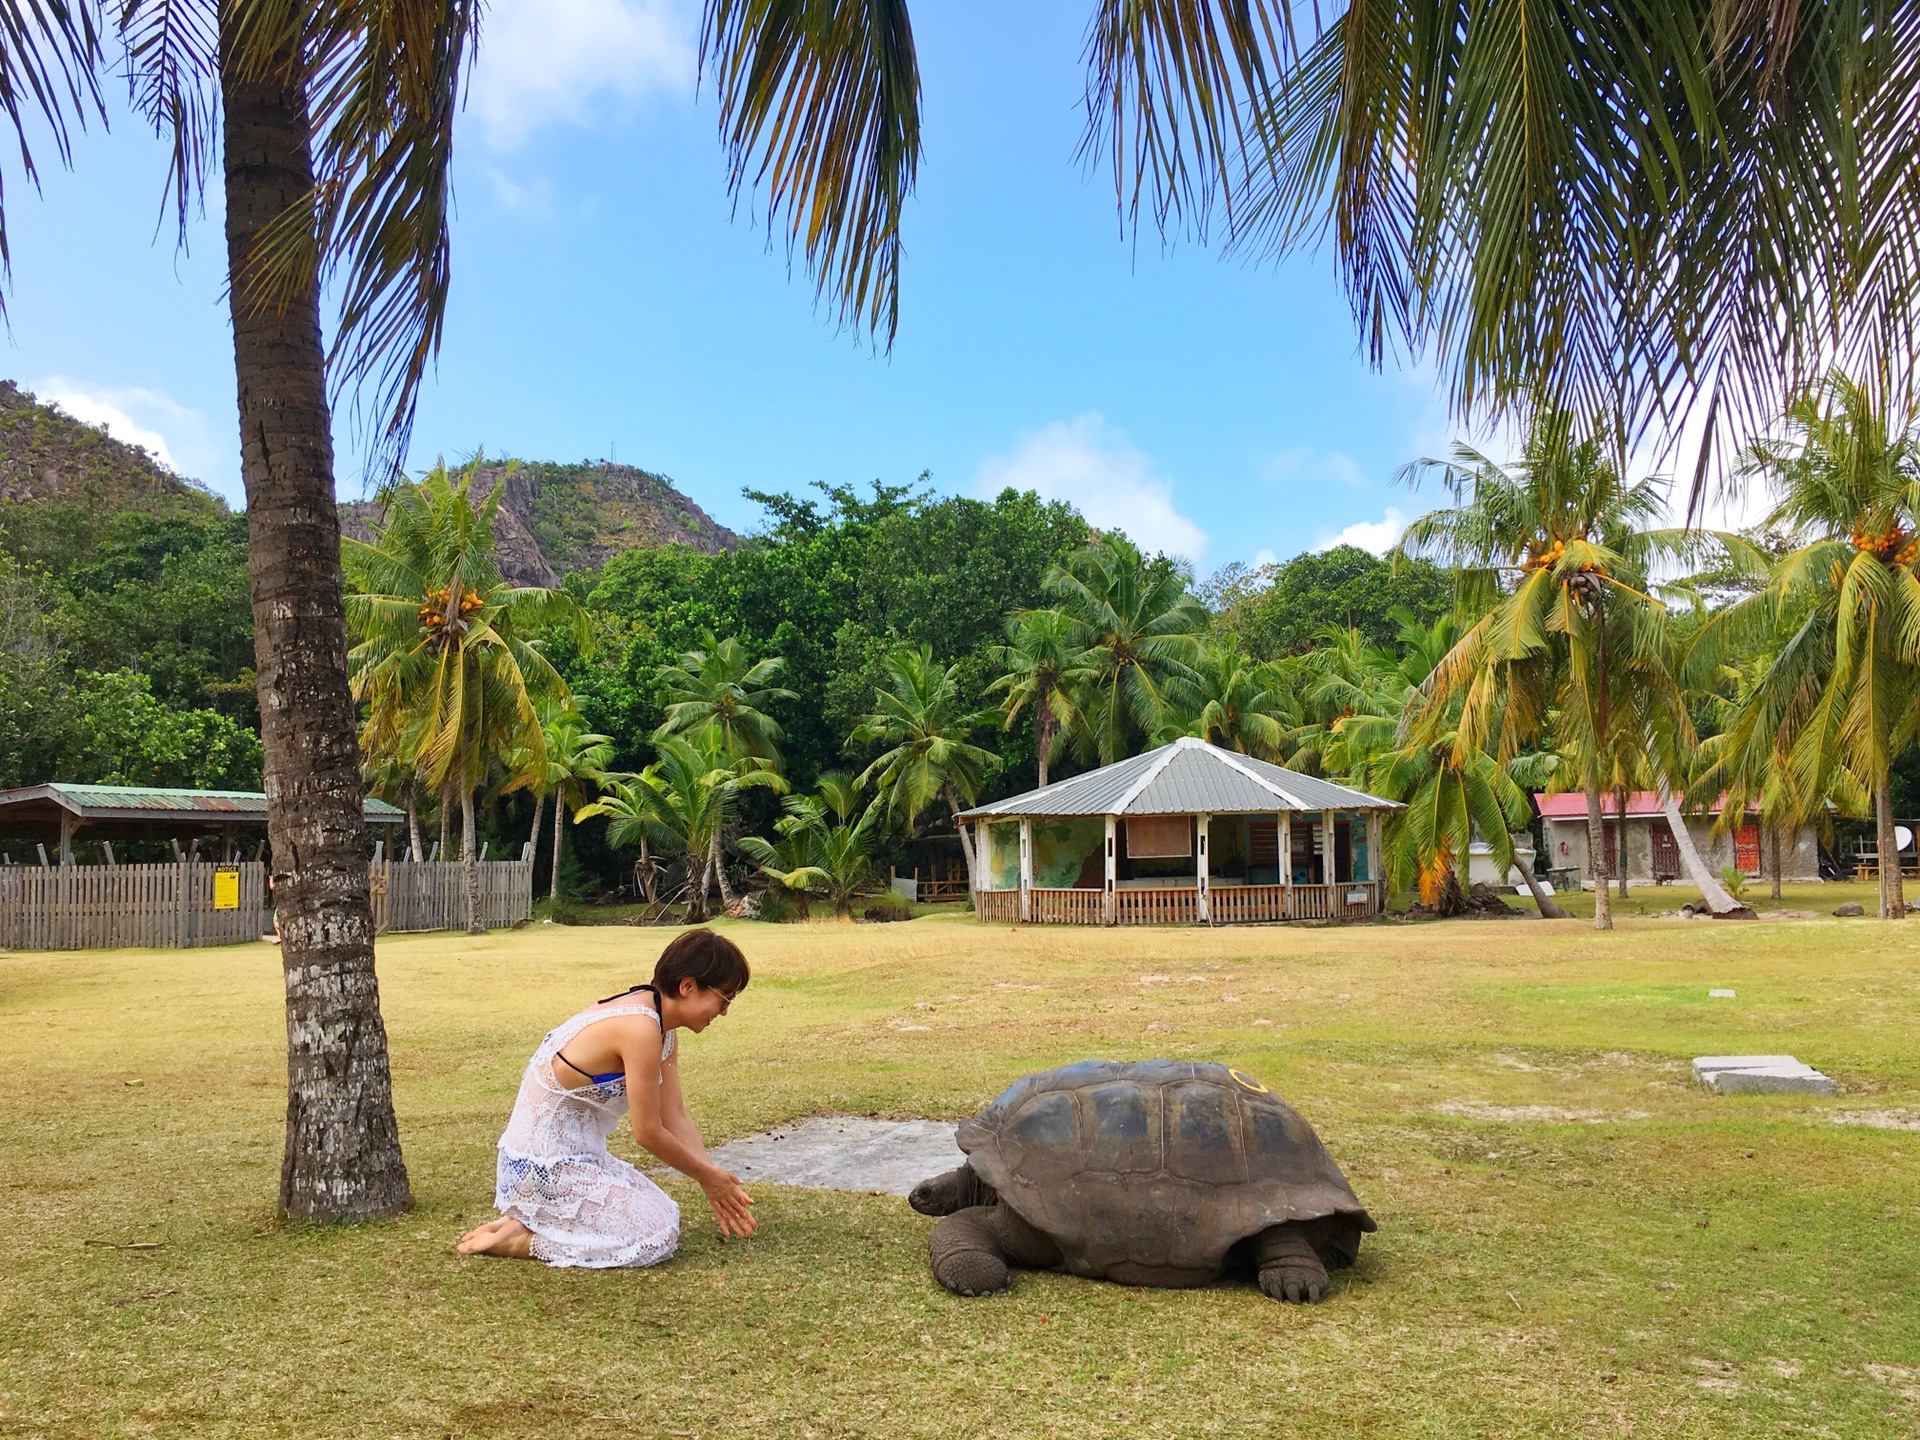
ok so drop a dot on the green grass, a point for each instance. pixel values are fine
(1574, 1240)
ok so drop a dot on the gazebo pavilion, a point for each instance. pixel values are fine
(1186, 834)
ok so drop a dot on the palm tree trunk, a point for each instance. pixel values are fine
(1711, 890)
(342, 1158)
(413, 824)
(1596, 853)
(446, 821)
(1043, 724)
(470, 864)
(718, 861)
(559, 835)
(1774, 835)
(1549, 909)
(966, 844)
(1893, 903)
(697, 886)
(539, 815)
(1620, 812)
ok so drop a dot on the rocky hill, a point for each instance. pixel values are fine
(554, 519)
(45, 454)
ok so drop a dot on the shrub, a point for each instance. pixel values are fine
(887, 905)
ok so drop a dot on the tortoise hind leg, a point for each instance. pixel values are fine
(971, 1249)
(1288, 1267)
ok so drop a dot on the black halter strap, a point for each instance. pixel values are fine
(634, 990)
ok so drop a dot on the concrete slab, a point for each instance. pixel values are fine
(1760, 1075)
(844, 1152)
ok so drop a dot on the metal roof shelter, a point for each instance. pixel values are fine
(1188, 777)
(1188, 833)
(56, 812)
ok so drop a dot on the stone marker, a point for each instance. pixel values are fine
(844, 1152)
(1720, 995)
(1852, 907)
(1760, 1075)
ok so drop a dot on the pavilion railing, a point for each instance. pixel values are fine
(1064, 907)
(998, 905)
(1179, 905)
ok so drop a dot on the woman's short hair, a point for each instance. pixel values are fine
(711, 961)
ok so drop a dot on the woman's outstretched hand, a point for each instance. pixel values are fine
(730, 1204)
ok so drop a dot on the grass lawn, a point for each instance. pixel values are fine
(1574, 1240)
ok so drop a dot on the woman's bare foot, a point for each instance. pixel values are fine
(505, 1238)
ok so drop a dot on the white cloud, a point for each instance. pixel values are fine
(174, 434)
(574, 62)
(1264, 556)
(1378, 536)
(1095, 467)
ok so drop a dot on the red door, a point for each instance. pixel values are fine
(1666, 852)
(1608, 866)
(1746, 849)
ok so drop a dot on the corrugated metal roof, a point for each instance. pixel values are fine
(1188, 777)
(1572, 805)
(104, 802)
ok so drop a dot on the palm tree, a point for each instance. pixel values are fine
(334, 128)
(823, 849)
(443, 642)
(920, 714)
(1838, 698)
(1557, 551)
(569, 758)
(1232, 701)
(1041, 663)
(683, 802)
(718, 687)
(1139, 632)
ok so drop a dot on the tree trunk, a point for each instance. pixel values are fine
(1620, 860)
(413, 824)
(1596, 852)
(1893, 903)
(342, 1158)
(446, 821)
(1549, 908)
(717, 860)
(1722, 904)
(1043, 727)
(1774, 833)
(470, 865)
(697, 886)
(559, 834)
(966, 840)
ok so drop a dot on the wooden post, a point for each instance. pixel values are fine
(1327, 866)
(1202, 908)
(107, 846)
(1283, 852)
(66, 838)
(43, 854)
(1110, 905)
(1026, 869)
(1376, 860)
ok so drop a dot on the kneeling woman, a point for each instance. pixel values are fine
(563, 1198)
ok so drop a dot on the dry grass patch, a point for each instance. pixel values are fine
(1575, 1240)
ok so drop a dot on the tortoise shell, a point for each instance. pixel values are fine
(1152, 1170)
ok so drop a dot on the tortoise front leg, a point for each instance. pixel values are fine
(1289, 1268)
(971, 1249)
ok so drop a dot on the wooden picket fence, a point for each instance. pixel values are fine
(432, 894)
(106, 907)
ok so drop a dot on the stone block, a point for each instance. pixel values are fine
(1852, 907)
(1760, 1075)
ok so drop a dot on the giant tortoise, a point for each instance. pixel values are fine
(1151, 1172)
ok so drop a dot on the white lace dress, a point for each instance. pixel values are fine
(583, 1205)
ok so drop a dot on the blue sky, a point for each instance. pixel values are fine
(608, 301)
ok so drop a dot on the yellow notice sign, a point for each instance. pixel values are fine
(226, 888)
